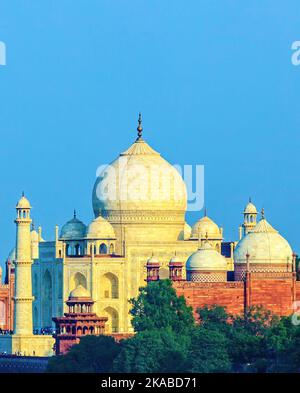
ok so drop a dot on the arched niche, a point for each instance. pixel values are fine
(78, 279)
(112, 324)
(110, 286)
(47, 299)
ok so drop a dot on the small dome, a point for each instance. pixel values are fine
(264, 245)
(153, 259)
(175, 259)
(100, 229)
(79, 292)
(206, 259)
(206, 226)
(23, 203)
(250, 208)
(73, 229)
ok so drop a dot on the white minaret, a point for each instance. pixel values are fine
(250, 215)
(23, 288)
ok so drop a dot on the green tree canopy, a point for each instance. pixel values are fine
(208, 351)
(149, 351)
(158, 306)
(92, 354)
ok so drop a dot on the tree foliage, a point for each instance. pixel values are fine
(158, 350)
(94, 354)
(158, 307)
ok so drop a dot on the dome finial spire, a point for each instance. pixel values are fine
(140, 127)
(74, 213)
(250, 199)
(23, 193)
(205, 212)
(262, 213)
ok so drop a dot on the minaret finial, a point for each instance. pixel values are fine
(32, 225)
(140, 127)
(23, 193)
(250, 199)
(262, 213)
(74, 213)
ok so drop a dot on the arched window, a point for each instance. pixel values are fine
(103, 248)
(110, 286)
(35, 316)
(35, 286)
(111, 249)
(60, 285)
(85, 330)
(77, 249)
(112, 325)
(67, 249)
(95, 250)
(78, 279)
(47, 299)
(79, 331)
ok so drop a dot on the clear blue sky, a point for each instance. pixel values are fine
(213, 79)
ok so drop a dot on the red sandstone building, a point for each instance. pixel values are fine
(78, 322)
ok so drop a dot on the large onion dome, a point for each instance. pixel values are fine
(142, 191)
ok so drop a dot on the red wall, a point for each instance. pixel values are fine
(275, 294)
(227, 294)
